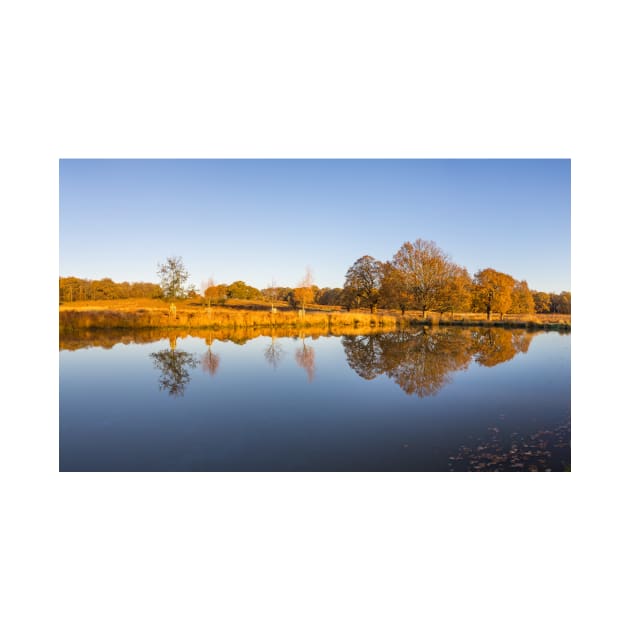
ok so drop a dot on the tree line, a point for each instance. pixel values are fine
(419, 277)
(73, 289)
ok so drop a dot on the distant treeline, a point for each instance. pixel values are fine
(73, 289)
(420, 276)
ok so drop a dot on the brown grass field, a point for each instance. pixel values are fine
(192, 314)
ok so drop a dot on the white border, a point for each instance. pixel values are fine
(288, 79)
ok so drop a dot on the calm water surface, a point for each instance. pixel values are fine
(431, 400)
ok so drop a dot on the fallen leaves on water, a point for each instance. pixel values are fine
(545, 450)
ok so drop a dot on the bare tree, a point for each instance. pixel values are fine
(272, 293)
(273, 353)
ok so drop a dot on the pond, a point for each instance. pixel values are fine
(434, 399)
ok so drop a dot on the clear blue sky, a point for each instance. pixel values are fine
(258, 220)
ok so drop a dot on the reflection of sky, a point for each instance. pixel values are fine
(250, 416)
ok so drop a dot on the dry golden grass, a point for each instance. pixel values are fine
(190, 314)
(217, 318)
(129, 305)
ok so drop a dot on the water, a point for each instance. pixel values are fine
(432, 400)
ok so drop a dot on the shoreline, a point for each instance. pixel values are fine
(225, 319)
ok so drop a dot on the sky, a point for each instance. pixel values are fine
(264, 221)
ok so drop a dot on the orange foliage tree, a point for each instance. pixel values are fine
(304, 293)
(522, 299)
(492, 292)
(424, 271)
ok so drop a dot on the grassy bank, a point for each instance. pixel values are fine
(154, 315)
(220, 319)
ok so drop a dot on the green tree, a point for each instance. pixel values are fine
(173, 278)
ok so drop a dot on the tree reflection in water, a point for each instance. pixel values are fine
(305, 357)
(421, 362)
(210, 360)
(364, 355)
(173, 365)
(492, 346)
(273, 353)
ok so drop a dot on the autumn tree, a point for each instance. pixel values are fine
(424, 269)
(349, 299)
(72, 289)
(394, 291)
(242, 291)
(214, 293)
(561, 303)
(542, 301)
(522, 299)
(105, 289)
(173, 278)
(363, 281)
(304, 293)
(330, 297)
(207, 286)
(457, 294)
(492, 292)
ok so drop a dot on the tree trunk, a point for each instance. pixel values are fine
(488, 312)
(372, 307)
